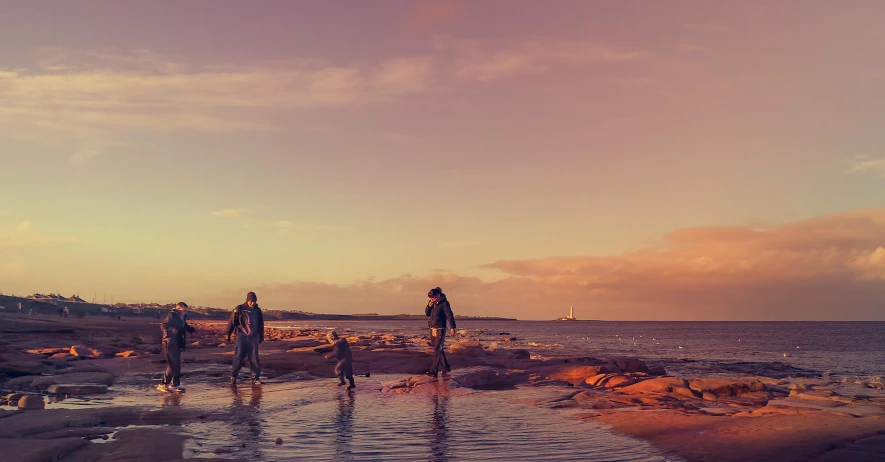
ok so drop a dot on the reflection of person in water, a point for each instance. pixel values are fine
(344, 424)
(247, 420)
(439, 448)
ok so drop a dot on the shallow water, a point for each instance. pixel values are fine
(774, 349)
(319, 421)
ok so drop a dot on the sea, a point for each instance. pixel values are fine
(849, 351)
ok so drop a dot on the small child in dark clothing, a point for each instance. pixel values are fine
(341, 351)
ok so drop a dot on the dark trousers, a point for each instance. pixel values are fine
(439, 353)
(343, 369)
(246, 348)
(172, 352)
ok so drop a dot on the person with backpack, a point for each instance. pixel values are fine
(441, 317)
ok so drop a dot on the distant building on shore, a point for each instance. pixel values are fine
(55, 298)
(571, 315)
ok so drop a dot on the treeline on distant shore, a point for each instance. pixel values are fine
(10, 304)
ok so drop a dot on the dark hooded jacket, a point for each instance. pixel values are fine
(440, 313)
(175, 329)
(248, 322)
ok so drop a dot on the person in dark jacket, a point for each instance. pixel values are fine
(341, 352)
(441, 317)
(175, 329)
(248, 322)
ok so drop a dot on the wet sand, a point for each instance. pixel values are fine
(698, 419)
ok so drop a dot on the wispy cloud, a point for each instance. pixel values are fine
(488, 61)
(229, 213)
(867, 164)
(23, 235)
(86, 99)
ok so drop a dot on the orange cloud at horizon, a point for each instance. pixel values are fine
(830, 267)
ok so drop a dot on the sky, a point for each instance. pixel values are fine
(682, 160)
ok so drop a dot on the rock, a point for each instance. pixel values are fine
(24, 381)
(77, 389)
(279, 441)
(47, 351)
(631, 365)
(520, 354)
(620, 381)
(61, 356)
(83, 351)
(481, 378)
(128, 354)
(657, 385)
(31, 402)
(20, 368)
(725, 387)
(74, 378)
(657, 370)
(709, 396)
(14, 397)
(469, 348)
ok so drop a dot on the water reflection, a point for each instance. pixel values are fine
(344, 424)
(170, 399)
(439, 419)
(246, 420)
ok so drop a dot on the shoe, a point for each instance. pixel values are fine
(256, 382)
(350, 387)
(430, 374)
(178, 389)
(163, 387)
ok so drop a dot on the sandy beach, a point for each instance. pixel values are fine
(84, 389)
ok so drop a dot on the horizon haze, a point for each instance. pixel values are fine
(680, 160)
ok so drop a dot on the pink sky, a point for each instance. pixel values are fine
(639, 160)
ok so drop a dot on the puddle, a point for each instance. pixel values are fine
(317, 421)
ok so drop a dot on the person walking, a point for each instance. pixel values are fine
(248, 322)
(439, 310)
(341, 352)
(175, 329)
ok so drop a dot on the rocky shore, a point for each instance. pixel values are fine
(47, 361)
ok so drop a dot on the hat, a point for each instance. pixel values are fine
(434, 292)
(332, 336)
(251, 297)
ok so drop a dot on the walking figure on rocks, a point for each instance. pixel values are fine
(248, 322)
(441, 317)
(341, 352)
(175, 329)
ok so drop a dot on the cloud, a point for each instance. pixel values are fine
(830, 267)
(24, 236)
(228, 213)
(491, 60)
(86, 100)
(866, 164)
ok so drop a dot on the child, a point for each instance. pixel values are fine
(174, 330)
(341, 351)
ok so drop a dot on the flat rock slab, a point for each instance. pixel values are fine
(78, 389)
(74, 377)
(39, 450)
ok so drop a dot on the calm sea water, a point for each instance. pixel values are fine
(812, 349)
